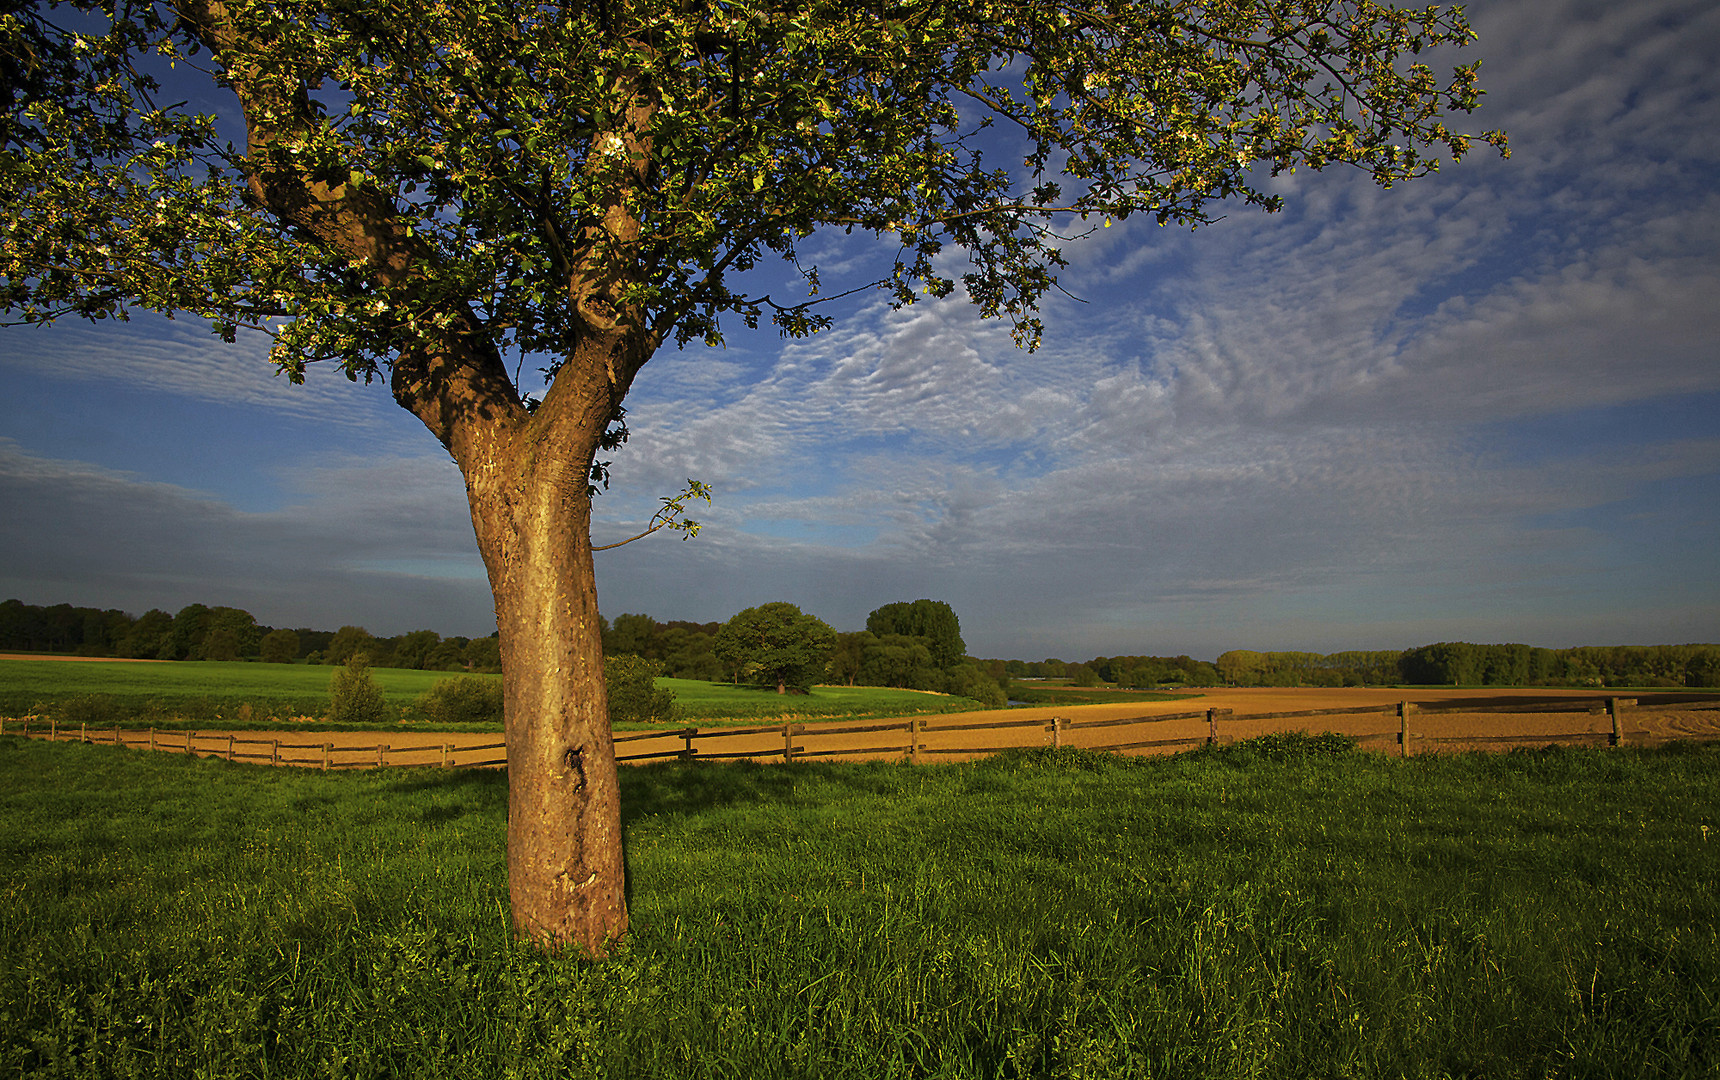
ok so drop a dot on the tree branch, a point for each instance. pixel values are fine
(670, 516)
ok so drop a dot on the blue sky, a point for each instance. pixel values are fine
(1482, 406)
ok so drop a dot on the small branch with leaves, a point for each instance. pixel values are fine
(671, 515)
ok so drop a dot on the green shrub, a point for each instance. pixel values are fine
(633, 694)
(465, 699)
(355, 697)
(968, 681)
(96, 710)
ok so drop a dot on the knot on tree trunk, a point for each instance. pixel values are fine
(576, 766)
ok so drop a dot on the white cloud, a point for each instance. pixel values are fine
(183, 358)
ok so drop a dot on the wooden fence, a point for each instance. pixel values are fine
(273, 751)
(916, 739)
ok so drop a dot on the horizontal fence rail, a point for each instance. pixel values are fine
(904, 739)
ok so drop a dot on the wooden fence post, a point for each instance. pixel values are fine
(687, 735)
(152, 738)
(53, 728)
(444, 755)
(275, 755)
(229, 746)
(916, 728)
(788, 742)
(1616, 706)
(84, 732)
(1403, 729)
(328, 751)
(116, 734)
(1212, 727)
(190, 743)
(381, 754)
(1057, 733)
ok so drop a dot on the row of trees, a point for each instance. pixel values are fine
(1459, 663)
(916, 645)
(685, 650)
(1451, 663)
(201, 632)
(1245, 667)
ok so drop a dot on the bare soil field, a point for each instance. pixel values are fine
(1441, 720)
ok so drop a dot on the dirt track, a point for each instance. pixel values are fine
(1473, 722)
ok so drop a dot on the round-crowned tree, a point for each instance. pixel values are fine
(776, 643)
(932, 620)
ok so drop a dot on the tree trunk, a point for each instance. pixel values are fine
(565, 876)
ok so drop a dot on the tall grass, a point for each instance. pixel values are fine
(1275, 909)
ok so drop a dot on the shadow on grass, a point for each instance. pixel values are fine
(677, 788)
(491, 784)
(687, 788)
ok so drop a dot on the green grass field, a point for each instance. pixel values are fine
(205, 689)
(1264, 910)
(199, 694)
(718, 701)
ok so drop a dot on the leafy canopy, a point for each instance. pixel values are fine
(932, 620)
(535, 173)
(776, 643)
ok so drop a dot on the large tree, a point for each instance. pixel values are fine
(933, 620)
(776, 643)
(437, 192)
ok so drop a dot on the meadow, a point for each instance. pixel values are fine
(246, 696)
(725, 701)
(1276, 908)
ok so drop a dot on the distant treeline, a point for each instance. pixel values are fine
(684, 649)
(881, 655)
(1590, 665)
(1448, 663)
(200, 632)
